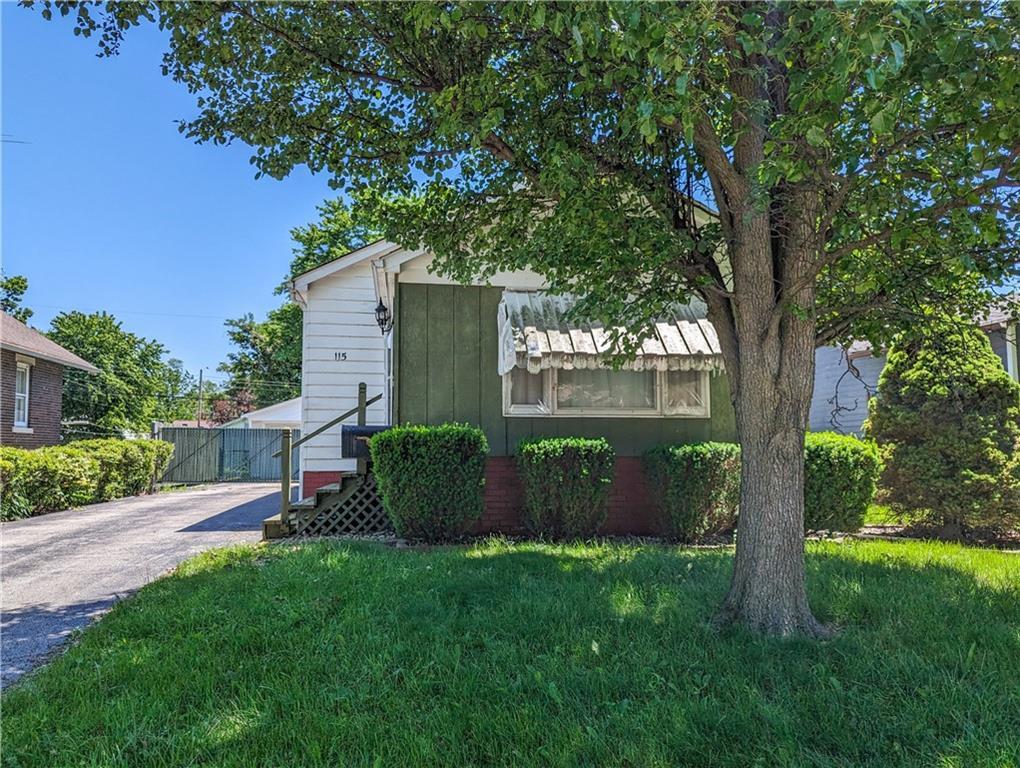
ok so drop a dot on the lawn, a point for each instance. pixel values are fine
(338, 654)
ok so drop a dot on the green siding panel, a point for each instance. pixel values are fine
(440, 326)
(466, 352)
(447, 353)
(413, 355)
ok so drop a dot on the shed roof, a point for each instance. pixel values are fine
(534, 334)
(18, 337)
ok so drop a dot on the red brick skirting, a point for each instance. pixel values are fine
(630, 509)
(310, 481)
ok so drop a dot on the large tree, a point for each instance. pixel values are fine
(862, 159)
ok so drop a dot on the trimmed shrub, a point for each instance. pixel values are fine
(55, 478)
(566, 484)
(430, 478)
(64, 476)
(947, 420)
(695, 488)
(840, 474)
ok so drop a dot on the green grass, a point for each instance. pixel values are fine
(879, 514)
(497, 654)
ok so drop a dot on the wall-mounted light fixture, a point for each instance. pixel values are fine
(383, 317)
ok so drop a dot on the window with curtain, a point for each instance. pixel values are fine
(606, 392)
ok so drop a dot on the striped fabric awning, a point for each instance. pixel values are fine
(534, 335)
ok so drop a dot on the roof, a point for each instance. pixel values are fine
(18, 337)
(996, 319)
(288, 411)
(535, 334)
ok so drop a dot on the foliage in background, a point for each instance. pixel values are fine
(566, 482)
(840, 474)
(695, 488)
(430, 478)
(266, 361)
(12, 292)
(947, 416)
(135, 385)
(65, 476)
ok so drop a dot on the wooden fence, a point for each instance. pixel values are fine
(225, 455)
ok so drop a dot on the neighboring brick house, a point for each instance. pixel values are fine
(31, 384)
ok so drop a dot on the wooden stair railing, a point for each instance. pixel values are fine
(287, 447)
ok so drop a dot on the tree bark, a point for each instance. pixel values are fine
(768, 593)
(769, 347)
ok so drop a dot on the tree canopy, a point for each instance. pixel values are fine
(135, 386)
(12, 293)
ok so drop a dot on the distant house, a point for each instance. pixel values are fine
(285, 415)
(31, 384)
(845, 379)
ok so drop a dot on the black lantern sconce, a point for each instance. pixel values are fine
(383, 317)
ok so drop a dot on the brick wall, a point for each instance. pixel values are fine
(45, 390)
(630, 510)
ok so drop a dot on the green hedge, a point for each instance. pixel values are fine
(430, 478)
(566, 484)
(695, 488)
(65, 476)
(840, 473)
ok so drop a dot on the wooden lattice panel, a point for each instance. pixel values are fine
(355, 511)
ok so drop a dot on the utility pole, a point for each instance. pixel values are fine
(200, 397)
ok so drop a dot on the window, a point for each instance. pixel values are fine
(21, 386)
(606, 392)
(600, 389)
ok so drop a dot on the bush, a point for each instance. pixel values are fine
(65, 476)
(566, 484)
(695, 488)
(946, 417)
(840, 474)
(430, 478)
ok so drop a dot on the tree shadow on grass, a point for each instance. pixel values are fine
(498, 654)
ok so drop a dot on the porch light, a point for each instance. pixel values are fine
(383, 317)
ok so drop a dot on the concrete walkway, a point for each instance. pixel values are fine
(60, 571)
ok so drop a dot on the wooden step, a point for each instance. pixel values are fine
(273, 528)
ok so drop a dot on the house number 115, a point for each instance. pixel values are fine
(339, 356)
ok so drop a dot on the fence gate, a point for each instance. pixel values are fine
(225, 455)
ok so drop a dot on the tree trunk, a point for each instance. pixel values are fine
(772, 399)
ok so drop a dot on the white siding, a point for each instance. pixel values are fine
(339, 317)
(833, 384)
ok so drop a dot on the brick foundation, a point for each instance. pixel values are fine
(310, 481)
(630, 508)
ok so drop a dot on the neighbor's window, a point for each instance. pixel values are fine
(605, 392)
(21, 384)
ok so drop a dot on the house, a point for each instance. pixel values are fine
(845, 379)
(31, 384)
(285, 415)
(502, 355)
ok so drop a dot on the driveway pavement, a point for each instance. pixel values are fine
(60, 571)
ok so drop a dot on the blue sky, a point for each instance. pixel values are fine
(108, 207)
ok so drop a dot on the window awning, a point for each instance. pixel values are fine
(533, 335)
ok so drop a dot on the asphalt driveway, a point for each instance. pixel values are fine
(60, 571)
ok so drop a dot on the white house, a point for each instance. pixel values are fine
(344, 342)
(285, 415)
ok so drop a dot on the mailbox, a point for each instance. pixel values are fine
(354, 439)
